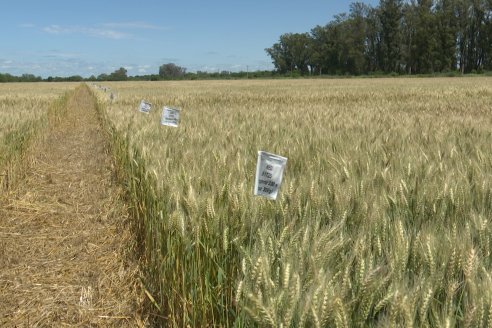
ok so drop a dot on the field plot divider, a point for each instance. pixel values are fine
(15, 157)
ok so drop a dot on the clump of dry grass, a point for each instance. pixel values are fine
(383, 217)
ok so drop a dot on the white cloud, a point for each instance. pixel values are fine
(107, 34)
(27, 25)
(143, 68)
(133, 25)
(90, 31)
(53, 66)
(61, 54)
(115, 31)
(55, 29)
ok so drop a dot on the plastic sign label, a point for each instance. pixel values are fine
(170, 116)
(145, 107)
(269, 173)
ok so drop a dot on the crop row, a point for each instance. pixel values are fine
(383, 218)
(25, 109)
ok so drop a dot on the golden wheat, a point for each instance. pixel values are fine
(24, 110)
(383, 218)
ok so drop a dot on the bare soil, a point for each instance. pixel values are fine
(65, 257)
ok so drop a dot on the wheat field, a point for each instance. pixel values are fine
(383, 217)
(24, 111)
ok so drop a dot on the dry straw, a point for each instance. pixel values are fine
(64, 243)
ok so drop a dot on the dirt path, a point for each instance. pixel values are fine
(63, 234)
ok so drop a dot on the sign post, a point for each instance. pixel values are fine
(269, 174)
(145, 107)
(170, 116)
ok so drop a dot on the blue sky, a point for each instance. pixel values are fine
(89, 37)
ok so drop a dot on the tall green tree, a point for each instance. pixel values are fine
(341, 46)
(374, 53)
(446, 29)
(356, 38)
(390, 15)
(488, 37)
(293, 52)
(171, 71)
(425, 38)
(326, 53)
(411, 36)
(473, 34)
(479, 41)
(118, 75)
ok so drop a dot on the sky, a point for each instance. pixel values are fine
(91, 37)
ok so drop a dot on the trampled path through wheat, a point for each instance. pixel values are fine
(64, 256)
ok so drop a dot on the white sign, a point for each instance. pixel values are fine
(269, 173)
(145, 107)
(170, 116)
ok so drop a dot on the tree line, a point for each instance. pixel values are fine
(403, 37)
(169, 71)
